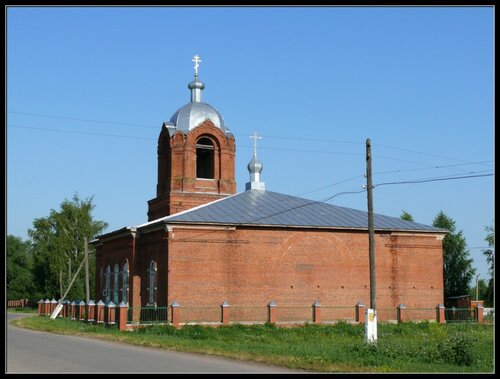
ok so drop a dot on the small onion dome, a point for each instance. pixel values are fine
(196, 84)
(255, 166)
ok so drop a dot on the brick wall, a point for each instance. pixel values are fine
(295, 267)
(178, 188)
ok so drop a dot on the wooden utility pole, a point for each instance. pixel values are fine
(86, 258)
(371, 231)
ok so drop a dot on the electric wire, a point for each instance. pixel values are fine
(242, 134)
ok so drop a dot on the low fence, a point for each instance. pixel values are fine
(489, 315)
(126, 317)
(21, 303)
(148, 315)
(460, 315)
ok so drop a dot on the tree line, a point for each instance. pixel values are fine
(457, 264)
(44, 265)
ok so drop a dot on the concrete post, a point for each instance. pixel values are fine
(122, 316)
(110, 313)
(317, 312)
(360, 312)
(401, 313)
(225, 312)
(271, 312)
(99, 312)
(90, 311)
(440, 314)
(175, 313)
(478, 313)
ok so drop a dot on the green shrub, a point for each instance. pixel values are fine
(457, 349)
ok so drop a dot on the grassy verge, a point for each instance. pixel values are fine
(404, 348)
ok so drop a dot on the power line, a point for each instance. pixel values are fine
(393, 171)
(85, 120)
(242, 134)
(241, 146)
(419, 152)
(301, 139)
(78, 132)
(343, 193)
(331, 185)
(434, 167)
(333, 196)
(433, 180)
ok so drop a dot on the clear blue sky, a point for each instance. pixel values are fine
(89, 88)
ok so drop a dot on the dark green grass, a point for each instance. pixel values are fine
(22, 310)
(412, 347)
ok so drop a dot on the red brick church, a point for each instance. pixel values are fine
(205, 244)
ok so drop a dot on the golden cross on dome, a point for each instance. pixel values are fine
(196, 60)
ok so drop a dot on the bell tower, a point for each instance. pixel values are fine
(196, 154)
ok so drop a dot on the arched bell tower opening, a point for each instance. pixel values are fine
(196, 154)
(205, 158)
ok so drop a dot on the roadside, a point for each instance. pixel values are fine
(422, 347)
(34, 351)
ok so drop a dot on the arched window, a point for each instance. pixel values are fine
(152, 283)
(205, 158)
(116, 282)
(125, 282)
(108, 280)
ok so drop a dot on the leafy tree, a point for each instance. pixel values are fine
(483, 293)
(458, 271)
(490, 258)
(18, 267)
(406, 216)
(490, 253)
(58, 248)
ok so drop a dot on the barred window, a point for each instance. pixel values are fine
(116, 282)
(125, 282)
(152, 283)
(108, 280)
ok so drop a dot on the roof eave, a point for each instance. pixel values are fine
(177, 223)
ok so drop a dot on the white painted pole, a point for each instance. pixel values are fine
(370, 326)
(59, 306)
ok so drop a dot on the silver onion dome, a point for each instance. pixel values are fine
(255, 166)
(192, 114)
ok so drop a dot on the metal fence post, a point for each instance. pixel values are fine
(360, 312)
(401, 313)
(175, 313)
(317, 312)
(225, 312)
(271, 316)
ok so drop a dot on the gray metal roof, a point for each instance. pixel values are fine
(257, 207)
(191, 115)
